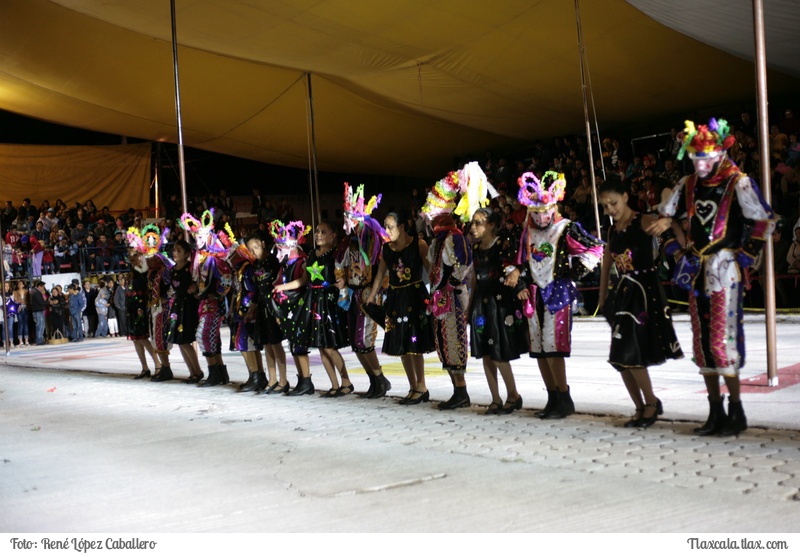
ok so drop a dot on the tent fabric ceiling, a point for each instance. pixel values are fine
(728, 26)
(399, 87)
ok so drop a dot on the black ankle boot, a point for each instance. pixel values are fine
(223, 375)
(563, 407)
(716, 418)
(460, 399)
(382, 386)
(304, 387)
(164, 374)
(552, 398)
(212, 379)
(737, 421)
(256, 382)
(372, 380)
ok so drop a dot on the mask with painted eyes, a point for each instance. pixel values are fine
(542, 219)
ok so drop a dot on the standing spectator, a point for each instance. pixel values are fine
(22, 300)
(101, 307)
(38, 305)
(36, 254)
(118, 299)
(58, 309)
(76, 303)
(90, 312)
(12, 309)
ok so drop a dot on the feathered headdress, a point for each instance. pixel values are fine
(442, 197)
(475, 191)
(148, 240)
(541, 195)
(702, 141)
(289, 234)
(473, 186)
(357, 220)
(206, 240)
(237, 252)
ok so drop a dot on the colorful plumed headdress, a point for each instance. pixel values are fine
(704, 141)
(476, 191)
(237, 252)
(470, 182)
(148, 240)
(207, 242)
(291, 234)
(541, 195)
(442, 197)
(357, 220)
(354, 207)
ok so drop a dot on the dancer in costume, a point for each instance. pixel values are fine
(159, 266)
(498, 328)
(284, 299)
(449, 268)
(183, 309)
(355, 261)
(244, 316)
(266, 271)
(553, 253)
(319, 320)
(137, 300)
(729, 221)
(406, 318)
(642, 333)
(213, 276)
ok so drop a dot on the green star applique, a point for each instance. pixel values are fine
(315, 271)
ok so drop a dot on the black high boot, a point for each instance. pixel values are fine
(304, 387)
(213, 377)
(737, 421)
(460, 399)
(563, 407)
(164, 374)
(382, 386)
(552, 398)
(372, 380)
(716, 418)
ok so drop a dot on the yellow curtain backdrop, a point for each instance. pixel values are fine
(113, 175)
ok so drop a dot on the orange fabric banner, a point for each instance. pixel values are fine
(113, 175)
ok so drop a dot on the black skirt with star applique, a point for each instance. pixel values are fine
(642, 334)
(319, 321)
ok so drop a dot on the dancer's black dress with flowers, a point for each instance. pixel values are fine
(136, 307)
(409, 329)
(183, 307)
(320, 322)
(498, 328)
(266, 273)
(642, 332)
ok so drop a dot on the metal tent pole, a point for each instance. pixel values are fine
(181, 165)
(584, 90)
(766, 188)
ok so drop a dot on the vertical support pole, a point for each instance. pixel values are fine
(181, 161)
(584, 90)
(313, 178)
(766, 188)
